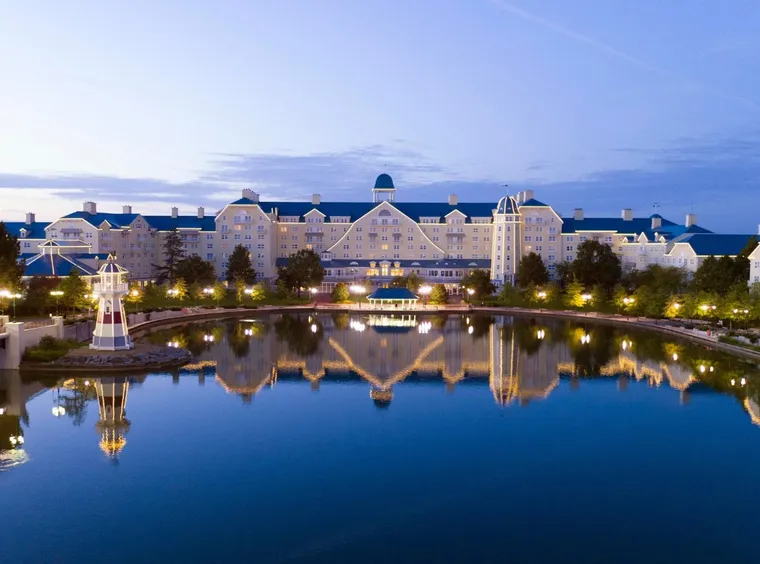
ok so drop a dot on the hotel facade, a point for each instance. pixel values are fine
(374, 240)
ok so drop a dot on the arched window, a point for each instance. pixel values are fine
(384, 213)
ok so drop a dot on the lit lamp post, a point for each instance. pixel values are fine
(134, 294)
(57, 295)
(314, 292)
(425, 291)
(359, 290)
(13, 297)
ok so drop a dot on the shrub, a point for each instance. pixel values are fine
(49, 349)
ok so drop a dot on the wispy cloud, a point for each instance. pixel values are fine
(686, 82)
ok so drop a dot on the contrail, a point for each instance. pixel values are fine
(580, 37)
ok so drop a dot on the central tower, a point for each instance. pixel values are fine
(384, 189)
(506, 242)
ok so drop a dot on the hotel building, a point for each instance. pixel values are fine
(375, 240)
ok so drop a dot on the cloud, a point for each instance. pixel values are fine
(687, 83)
(717, 178)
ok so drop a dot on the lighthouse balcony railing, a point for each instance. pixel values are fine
(101, 287)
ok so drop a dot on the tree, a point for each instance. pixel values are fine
(173, 253)
(340, 293)
(412, 281)
(595, 263)
(439, 295)
(240, 288)
(195, 270)
(480, 281)
(11, 269)
(240, 267)
(598, 297)
(178, 290)
(303, 270)
(574, 294)
(674, 306)
(667, 279)
(564, 273)
(134, 295)
(38, 293)
(74, 290)
(532, 271)
(741, 266)
(716, 275)
(218, 291)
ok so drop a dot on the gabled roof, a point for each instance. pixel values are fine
(706, 244)
(117, 220)
(614, 224)
(34, 230)
(354, 210)
(534, 203)
(392, 294)
(56, 265)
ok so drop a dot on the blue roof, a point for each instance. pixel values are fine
(55, 265)
(535, 203)
(34, 230)
(168, 223)
(705, 244)
(392, 294)
(384, 182)
(117, 220)
(354, 210)
(614, 224)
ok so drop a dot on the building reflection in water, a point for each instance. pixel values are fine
(520, 361)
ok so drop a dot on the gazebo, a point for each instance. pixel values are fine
(384, 296)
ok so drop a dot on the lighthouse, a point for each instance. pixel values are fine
(111, 332)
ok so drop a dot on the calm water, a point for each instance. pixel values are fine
(368, 439)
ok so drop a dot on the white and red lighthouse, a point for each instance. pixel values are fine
(111, 333)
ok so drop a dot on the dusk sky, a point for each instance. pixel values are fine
(600, 104)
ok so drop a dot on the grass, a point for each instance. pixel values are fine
(738, 343)
(50, 349)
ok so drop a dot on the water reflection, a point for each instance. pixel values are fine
(520, 360)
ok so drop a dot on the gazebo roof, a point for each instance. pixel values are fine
(392, 294)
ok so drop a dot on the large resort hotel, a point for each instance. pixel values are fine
(375, 240)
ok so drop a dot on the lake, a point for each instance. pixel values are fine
(369, 438)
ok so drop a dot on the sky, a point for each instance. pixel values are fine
(597, 104)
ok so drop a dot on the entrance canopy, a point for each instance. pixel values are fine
(397, 295)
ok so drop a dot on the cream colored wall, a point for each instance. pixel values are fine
(754, 266)
(253, 228)
(542, 233)
(88, 234)
(376, 236)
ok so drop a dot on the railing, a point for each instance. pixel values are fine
(37, 324)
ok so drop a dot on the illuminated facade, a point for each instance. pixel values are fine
(378, 239)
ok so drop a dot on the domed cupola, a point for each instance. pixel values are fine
(384, 189)
(507, 205)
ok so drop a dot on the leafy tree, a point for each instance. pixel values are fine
(219, 291)
(240, 288)
(303, 270)
(648, 302)
(340, 293)
(38, 293)
(619, 294)
(564, 273)
(598, 298)
(412, 281)
(532, 271)
(154, 292)
(439, 295)
(74, 289)
(574, 294)
(11, 269)
(240, 267)
(302, 339)
(675, 306)
(178, 290)
(716, 275)
(667, 279)
(195, 270)
(741, 263)
(258, 292)
(480, 281)
(510, 296)
(173, 253)
(596, 263)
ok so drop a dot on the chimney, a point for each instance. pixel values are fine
(691, 219)
(251, 195)
(453, 200)
(578, 214)
(627, 214)
(175, 213)
(656, 221)
(201, 212)
(527, 195)
(29, 218)
(316, 199)
(126, 209)
(90, 207)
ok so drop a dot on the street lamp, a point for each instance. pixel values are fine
(359, 290)
(57, 294)
(541, 295)
(425, 291)
(540, 334)
(585, 339)
(586, 297)
(12, 296)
